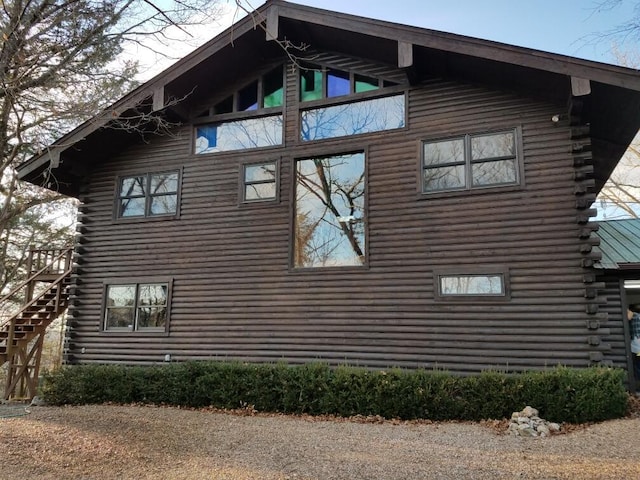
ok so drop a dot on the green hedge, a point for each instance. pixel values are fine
(560, 394)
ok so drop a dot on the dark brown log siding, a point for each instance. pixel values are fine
(235, 295)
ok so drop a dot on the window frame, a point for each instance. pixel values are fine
(234, 118)
(468, 187)
(154, 331)
(349, 100)
(243, 184)
(147, 216)
(475, 271)
(210, 116)
(383, 89)
(335, 152)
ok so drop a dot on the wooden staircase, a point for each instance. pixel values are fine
(46, 294)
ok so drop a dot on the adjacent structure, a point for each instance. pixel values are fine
(340, 189)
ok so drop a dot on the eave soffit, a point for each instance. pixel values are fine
(267, 18)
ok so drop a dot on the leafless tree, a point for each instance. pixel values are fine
(60, 64)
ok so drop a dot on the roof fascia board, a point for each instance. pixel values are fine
(602, 72)
(147, 90)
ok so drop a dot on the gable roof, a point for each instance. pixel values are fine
(611, 107)
(620, 244)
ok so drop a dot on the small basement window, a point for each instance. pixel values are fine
(474, 286)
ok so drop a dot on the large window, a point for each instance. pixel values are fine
(471, 161)
(136, 307)
(239, 134)
(148, 195)
(353, 118)
(329, 223)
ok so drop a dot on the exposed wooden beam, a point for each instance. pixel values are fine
(580, 86)
(405, 54)
(272, 23)
(158, 98)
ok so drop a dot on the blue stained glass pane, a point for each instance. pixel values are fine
(206, 138)
(337, 83)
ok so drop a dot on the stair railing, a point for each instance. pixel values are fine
(61, 267)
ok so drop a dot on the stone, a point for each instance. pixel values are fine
(527, 423)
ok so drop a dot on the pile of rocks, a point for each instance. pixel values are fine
(527, 423)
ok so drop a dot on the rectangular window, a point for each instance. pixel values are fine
(329, 214)
(353, 118)
(136, 307)
(260, 182)
(148, 195)
(489, 283)
(239, 134)
(471, 161)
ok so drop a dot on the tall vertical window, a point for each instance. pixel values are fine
(141, 306)
(330, 217)
(148, 195)
(471, 161)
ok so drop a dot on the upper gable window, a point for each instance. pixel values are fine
(148, 195)
(260, 101)
(265, 92)
(471, 161)
(317, 83)
(353, 118)
(242, 134)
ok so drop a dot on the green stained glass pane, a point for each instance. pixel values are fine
(365, 84)
(310, 85)
(273, 89)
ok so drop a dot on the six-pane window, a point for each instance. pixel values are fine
(260, 182)
(470, 161)
(148, 195)
(141, 306)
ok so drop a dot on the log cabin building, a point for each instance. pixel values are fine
(340, 189)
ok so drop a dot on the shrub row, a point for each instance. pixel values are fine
(560, 394)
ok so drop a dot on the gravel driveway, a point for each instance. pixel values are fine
(140, 442)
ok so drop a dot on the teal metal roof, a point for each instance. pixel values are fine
(620, 244)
